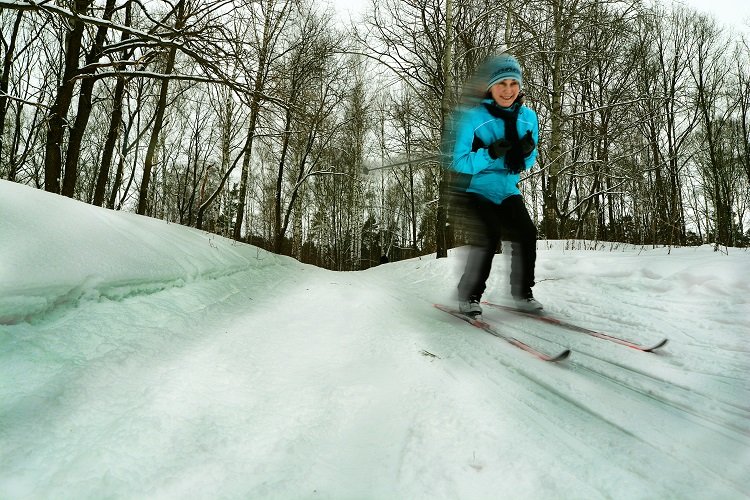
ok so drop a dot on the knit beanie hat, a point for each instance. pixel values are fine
(502, 67)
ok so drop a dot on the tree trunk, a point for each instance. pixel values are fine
(57, 117)
(148, 162)
(4, 79)
(277, 233)
(550, 218)
(441, 228)
(205, 204)
(84, 109)
(110, 143)
(271, 28)
(247, 152)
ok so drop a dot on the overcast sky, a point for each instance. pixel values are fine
(732, 12)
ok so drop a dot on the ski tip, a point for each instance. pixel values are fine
(563, 355)
(657, 346)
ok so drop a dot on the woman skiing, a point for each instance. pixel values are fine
(495, 140)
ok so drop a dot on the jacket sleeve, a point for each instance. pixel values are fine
(465, 159)
(531, 118)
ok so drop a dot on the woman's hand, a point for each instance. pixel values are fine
(498, 148)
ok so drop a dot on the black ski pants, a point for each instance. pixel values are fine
(511, 220)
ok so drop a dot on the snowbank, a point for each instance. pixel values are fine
(55, 251)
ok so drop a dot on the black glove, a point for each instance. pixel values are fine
(498, 148)
(527, 144)
(514, 161)
(514, 157)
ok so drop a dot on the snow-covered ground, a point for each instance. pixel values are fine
(141, 359)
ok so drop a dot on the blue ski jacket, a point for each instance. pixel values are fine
(475, 130)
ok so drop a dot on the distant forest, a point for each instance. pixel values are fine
(279, 123)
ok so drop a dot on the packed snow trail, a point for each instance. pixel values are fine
(280, 380)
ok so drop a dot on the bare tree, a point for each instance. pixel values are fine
(226, 111)
(309, 91)
(349, 151)
(403, 119)
(22, 96)
(9, 47)
(149, 160)
(272, 15)
(83, 112)
(710, 76)
(57, 116)
(742, 61)
(414, 39)
(599, 116)
(115, 120)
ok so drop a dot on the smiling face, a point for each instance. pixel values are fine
(505, 92)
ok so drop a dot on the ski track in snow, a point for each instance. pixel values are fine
(172, 375)
(704, 401)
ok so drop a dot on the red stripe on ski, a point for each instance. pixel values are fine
(576, 328)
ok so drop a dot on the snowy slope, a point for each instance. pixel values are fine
(144, 359)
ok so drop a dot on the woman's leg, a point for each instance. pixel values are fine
(483, 247)
(522, 234)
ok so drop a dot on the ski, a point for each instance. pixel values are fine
(570, 326)
(483, 325)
